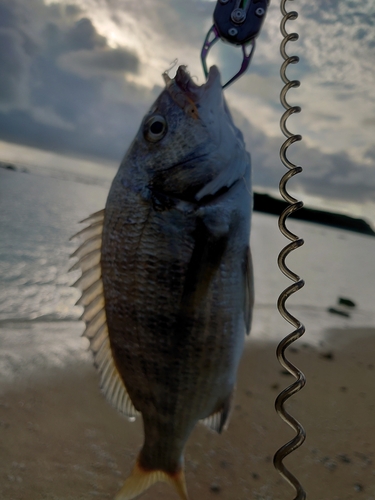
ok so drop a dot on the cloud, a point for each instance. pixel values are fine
(17, 49)
(88, 63)
(14, 63)
(337, 38)
(89, 138)
(66, 95)
(370, 153)
(178, 21)
(80, 36)
(332, 176)
(80, 74)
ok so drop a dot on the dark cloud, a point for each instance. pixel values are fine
(81, 36)
(16, 50)
(56, 94)
(369, 122)
(360, 34)
(105, 136)
(72, 10)
(333, 11)
(114, 60)
(370, 153)
(92, 124)
(91, 63)
(335, 176)
(13, 63)
(8, 17)
(68, 95)
(65, 90)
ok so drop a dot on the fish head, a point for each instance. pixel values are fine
(188, 139)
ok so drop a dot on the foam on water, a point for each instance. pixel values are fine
(38, 215)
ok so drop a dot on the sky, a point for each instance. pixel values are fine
(77, 76)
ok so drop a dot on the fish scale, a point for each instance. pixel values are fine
(170, 301)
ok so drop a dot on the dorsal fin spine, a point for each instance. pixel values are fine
(95, 323)
(95, 306)
(91, 244)
(94, 315)
(90, 293)
(88, 278)
(87, 261)
(89, 231)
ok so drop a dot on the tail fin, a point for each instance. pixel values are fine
(140, 480)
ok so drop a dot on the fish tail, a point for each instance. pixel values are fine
(141, 479)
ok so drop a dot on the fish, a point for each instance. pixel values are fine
(167, 277)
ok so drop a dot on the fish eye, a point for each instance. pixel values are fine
(155, 128)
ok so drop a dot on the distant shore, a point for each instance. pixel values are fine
(270, 205)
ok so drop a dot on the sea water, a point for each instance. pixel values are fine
(39, 322)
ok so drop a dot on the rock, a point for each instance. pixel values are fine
(342, 301)
(333, 310)
(215, 488)
(344, 459)
(327, 355)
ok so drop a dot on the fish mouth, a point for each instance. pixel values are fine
(187, 84)
(183, 85)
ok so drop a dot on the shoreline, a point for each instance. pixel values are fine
(263, 202)
(71, 444)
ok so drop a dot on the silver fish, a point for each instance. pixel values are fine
(167, 276)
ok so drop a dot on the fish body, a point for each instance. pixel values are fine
(174, 278)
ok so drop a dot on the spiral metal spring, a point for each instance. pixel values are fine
(296, 242)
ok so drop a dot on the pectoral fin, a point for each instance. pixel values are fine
(234, 170)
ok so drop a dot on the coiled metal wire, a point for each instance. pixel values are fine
(296, 242)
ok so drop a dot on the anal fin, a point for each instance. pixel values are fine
(218, 420)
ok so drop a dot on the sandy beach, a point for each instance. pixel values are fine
(61, 440)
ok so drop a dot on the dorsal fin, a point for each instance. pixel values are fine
(93, 302)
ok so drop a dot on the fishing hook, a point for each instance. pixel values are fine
(237, 22)
(296, 242)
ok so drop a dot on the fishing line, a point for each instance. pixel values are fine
(238, 22)
(172, 65)
(296, 242)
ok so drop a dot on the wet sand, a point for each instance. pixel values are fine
(60, 439)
